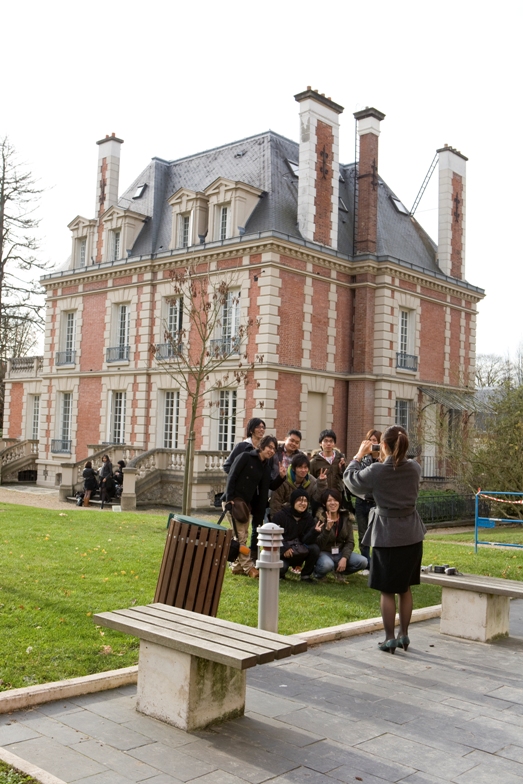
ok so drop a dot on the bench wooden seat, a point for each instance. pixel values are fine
(475, 607)
(192, 667)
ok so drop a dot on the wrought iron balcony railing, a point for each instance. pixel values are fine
(225, 346)
(118, 353)
(67, 357)
(61, 446)
(406, 361)
(168, 350)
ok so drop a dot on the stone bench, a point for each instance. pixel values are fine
(191, 667)
(475, 607)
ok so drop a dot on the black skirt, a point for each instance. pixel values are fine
(394, 569)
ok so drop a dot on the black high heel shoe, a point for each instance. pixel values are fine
(389, 646)
(403, 642)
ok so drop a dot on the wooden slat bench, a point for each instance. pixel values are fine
(192, 668)
(475, 607)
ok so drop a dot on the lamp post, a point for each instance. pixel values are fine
(269, 565)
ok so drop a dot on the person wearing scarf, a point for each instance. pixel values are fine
(298, 476)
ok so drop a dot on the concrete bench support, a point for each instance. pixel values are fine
(187, 691)
(475, 607)
(474, 616)
(192, 667)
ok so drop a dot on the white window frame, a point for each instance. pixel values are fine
(69, 334)
(184, 230)
(227, 407)
(123, 325)
(35, 418)
(66, 413)
(171, 415)
(231, 313)
(82, 251)
(116, 241)
(406, 331)
(223, 221)
(117, 420)
(174, 318)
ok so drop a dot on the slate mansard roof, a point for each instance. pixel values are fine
(263, 162)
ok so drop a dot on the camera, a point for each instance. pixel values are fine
(375, 448)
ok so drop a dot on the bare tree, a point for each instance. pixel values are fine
(21, 299)
(492, 370)
(205, 346)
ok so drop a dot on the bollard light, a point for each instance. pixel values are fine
(269, 565)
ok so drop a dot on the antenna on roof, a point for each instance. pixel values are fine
(424, 184)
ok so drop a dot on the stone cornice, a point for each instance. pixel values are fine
(270, 244)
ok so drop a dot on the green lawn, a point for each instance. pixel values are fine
(59, 568)
(9, 775)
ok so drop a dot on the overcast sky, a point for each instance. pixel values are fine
(173, 79)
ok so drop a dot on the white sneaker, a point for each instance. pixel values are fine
(365, 572)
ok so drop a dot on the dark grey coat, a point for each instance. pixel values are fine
(394, 521)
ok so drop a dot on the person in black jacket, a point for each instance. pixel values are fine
(254, 434)
(90, 482)
(250, 480)
(298, 529)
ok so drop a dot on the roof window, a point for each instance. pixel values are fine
(399, 206)
(294, 167)
(139, 191)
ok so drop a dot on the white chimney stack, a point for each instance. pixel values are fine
(319, 168)
(452, 205)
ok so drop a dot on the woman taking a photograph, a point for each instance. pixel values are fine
(395, 529)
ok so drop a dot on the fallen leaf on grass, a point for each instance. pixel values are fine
(106, 650)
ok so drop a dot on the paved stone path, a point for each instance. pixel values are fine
(449, 710)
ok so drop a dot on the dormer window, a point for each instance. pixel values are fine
(184, 230)
(223, 222)
(116, 245)
(82, 251)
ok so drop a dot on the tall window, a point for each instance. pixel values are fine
(170, 422)
(404, 332)
(69, 336)
(118, 418)
(35, 420)
(175, 316)
(116, 245)
(403, 416)
(184, 235)
(82, 252)
(227, 420)
(224, 223)
(124, 322)
(231, 322)
(65, 418)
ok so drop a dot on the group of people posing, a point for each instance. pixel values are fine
(312, 501)
(108, 482)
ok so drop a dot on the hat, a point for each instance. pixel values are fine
(240, 510)
(297, 494)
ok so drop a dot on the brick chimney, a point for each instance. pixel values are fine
(367, 216)
(452, 202)
(319, 169)
(108, 173)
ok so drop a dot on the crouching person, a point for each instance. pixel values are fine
(336, 540)
(299, 535)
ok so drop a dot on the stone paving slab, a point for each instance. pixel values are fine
(448, 710)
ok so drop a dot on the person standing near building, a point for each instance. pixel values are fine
(364, 505)
(248, 484)
(298, 477)
(330, 459)
(395, 531)
(289, 448)
(254, 433)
